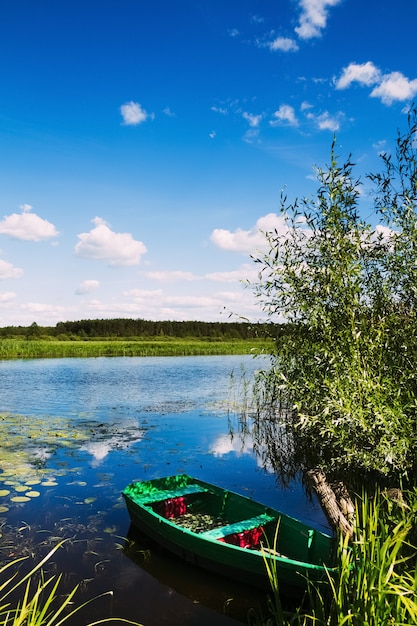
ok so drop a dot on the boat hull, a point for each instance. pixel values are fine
(240, 547)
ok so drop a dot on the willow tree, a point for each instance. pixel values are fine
(341, 388)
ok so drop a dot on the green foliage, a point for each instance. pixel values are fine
(349, 290)
(376, 583)
(162, 346)
(133, 328)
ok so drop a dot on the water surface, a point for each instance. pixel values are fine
(74, 432)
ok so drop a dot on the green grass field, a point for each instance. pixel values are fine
(45, 348)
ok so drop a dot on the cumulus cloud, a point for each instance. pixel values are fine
(253, 120)
(325, 121)
(284, 115)
(362, 73)
(395, 86)
(102, 244)
(313, 18)
(7, 270)
(134, 114)
(248, 241)
(27, 226)
(87, 286)
(284, 44)
(390, 87)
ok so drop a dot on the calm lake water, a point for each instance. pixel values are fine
(75, 432)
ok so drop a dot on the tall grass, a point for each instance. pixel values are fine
(40, 603)
(22, 349)
(376, 583)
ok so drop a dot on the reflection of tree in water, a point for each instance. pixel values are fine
(266, 418)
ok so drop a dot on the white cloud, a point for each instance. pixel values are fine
(388, 87)
(40, 308)
(248, 241)
(325, 121)
(221, 110)
(143, 294)
(251, 136)
(171, 276)
(313, 18)
(87, 286)
(157, 305)
(380, 146)
(133, 114)
(7, 270)
(212, 135)
(363, 73)
(245, 272)
(285, 114)
(102, 244)
(27, 226)
(395, 86)
(7, 296)
(167, 111)
(285, 44)
(305, 106)
(253, 120)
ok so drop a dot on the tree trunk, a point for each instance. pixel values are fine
(335, 501)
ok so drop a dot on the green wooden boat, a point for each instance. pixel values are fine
(227, 533)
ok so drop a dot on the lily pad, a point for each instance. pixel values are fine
(49, 483)
(89, 500)
(20, 499)
(33, 494)
(20, 488)
(4, 492)
(3, 509)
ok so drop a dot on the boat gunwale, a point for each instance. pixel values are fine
(285, 561)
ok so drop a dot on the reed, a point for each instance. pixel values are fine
(40, 602)
(34, 349)
(377, 574)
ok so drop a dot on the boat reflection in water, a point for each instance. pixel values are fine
(232, 601)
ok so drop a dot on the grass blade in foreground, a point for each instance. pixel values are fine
(40, 604)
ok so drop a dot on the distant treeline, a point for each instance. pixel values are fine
(129, 328)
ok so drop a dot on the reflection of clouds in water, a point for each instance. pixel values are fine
(120, 436)
(226, 444)
(40, 454)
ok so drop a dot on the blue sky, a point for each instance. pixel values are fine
(145, 144)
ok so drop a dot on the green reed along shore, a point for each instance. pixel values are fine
(58, 349)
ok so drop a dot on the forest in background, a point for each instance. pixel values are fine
(139, 328)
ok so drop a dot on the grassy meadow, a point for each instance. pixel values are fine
(58, 349)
